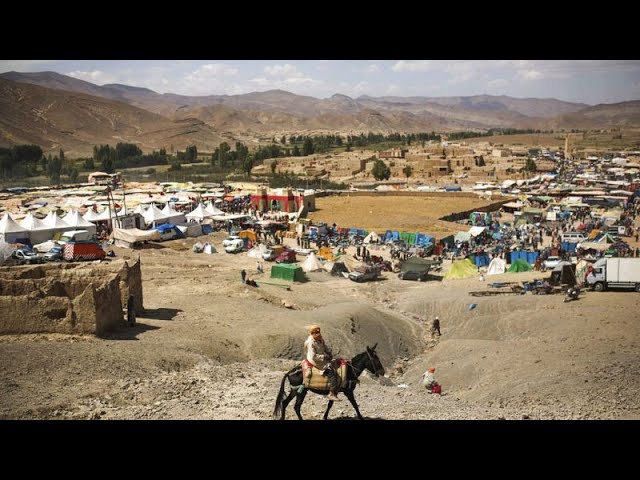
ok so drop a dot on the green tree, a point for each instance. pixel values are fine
(407, 170)
(55, 167)
(530, 166)
(380, 170)
(307, 147)
(88, 164)
(247, 164)
(73, 174)
(223, 154)
(283, 140)
(274, 164)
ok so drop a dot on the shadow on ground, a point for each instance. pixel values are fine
(125, 332)
(160, 313)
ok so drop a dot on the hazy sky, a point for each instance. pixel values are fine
(586, 81)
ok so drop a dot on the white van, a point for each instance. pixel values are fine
(74, 236)
(573, 237)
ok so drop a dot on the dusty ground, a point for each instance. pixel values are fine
(210, 348)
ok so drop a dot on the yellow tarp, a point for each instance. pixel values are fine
(461, 269)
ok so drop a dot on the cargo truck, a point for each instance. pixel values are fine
(615, 273)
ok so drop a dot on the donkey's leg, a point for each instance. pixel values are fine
(326, 414)
(298, 405)
(286, 401)
(352, 399)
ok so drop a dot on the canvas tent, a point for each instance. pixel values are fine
(131, 236)
(312, 264)
(497, 266)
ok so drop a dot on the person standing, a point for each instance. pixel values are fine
(435, 326)
(131, 311)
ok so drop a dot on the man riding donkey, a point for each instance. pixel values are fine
(319, 355)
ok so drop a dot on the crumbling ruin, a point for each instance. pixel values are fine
(77, 298)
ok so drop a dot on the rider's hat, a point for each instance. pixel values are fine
(431, 370)
(312, 328)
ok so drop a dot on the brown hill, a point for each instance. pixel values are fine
(76, 122)
(530, 107)
(625, 114)
(179, 120)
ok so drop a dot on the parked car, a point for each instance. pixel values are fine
(288, 256)
(25, 256)
(362, 274)
(414, 275)
(233, 244)
(54, 255)
(550, 263)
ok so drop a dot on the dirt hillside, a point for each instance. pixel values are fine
(209, 347)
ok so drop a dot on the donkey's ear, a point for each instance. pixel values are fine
(374, 347)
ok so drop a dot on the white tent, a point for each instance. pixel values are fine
(475, 231)
(372, 237)
(10, 230)
(312, 264)
(31, 223)
(154, 216)
(497, 266)
(199, 213)
(91, 216)
(172, 215)
(257, 251)
(76, 222)
(213, 210)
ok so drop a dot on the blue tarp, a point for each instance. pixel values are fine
(453, 189)
(570, 247)
(388, 236)
(395, 235)
(207, 229)
(531, 257)
(481, 260)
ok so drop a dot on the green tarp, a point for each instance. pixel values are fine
(520, 265)
(289, 272)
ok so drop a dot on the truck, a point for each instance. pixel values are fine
(83, 250)
(615, 273)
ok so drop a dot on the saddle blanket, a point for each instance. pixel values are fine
(313, 378)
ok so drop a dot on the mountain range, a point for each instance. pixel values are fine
(57, 111)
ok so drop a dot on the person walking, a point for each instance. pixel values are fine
(435, 326)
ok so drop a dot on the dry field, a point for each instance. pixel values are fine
(403, 213)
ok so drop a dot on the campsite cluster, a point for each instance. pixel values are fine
(568, 234)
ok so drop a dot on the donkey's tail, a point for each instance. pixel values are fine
(277, 411)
